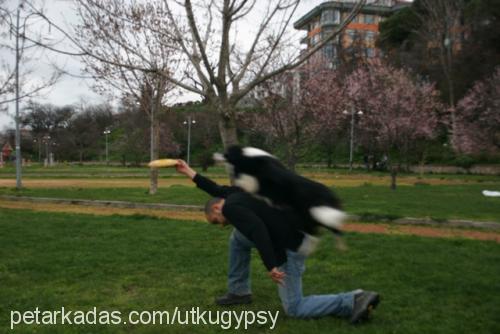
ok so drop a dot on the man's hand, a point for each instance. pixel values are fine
(277, 276)
(183, 168)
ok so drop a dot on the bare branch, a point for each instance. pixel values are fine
(262, 78)
(199, 42)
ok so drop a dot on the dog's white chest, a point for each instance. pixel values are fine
(247, 182)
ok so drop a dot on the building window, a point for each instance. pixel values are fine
(315, 39)
(387, 3)
(314, 25)
(370, 36)
(369, 19)
(327, 32)
(351, 33)
(330, 16)
(330, 51)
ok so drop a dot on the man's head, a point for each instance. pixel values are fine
(213, 211)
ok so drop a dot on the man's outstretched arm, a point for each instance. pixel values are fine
(204, 183)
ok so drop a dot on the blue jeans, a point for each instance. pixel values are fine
(292, 299)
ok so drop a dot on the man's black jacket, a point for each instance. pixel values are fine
(272, 230)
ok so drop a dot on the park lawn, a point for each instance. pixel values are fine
(94, 171)
(439, 202)
(139, 263)
(63, 171)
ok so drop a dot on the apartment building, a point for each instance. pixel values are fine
(360, 35)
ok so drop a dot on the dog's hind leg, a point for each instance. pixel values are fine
(340, 243)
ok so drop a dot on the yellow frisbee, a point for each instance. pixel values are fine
(163, 163)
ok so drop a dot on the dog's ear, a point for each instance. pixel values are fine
(219, 157)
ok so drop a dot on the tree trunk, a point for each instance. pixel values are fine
(155, 140)
(422, 163)
(329, 160)
(290, 158)
(228, 134)
(227, 125)
(394, 173)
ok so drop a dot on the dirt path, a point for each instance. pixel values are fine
(431, 232)
(101, 211)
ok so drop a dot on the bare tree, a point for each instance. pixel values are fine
(224, 68)
(18, 38)
(442, 30)
(213, 61)
(137, 62)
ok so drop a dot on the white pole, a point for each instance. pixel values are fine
(18, 132)
(189, 140)
(352, 140)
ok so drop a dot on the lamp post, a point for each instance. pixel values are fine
(51, 158)
(18, 132)
(106, 133)
(188, 123)
(38, 141)
(46, 141)
(16, 84)
(351, 150)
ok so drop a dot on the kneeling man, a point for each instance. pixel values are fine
(282, 248)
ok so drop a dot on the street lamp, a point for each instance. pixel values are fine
(18, 132)
(17, 117)
(46, 141)
(353, 113)
(38, 141)
(106, 133)
(51, 158)
(188, 123)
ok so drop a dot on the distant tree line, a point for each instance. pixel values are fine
(75, 133)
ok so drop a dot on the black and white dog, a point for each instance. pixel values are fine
(261, 174)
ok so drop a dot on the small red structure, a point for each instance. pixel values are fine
(6, 151)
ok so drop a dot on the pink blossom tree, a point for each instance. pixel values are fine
(398, 111)
(478, 118)
(283, 120)
(323, 94)
(300, 108)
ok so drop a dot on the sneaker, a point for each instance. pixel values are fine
(364, 303)
(233, 299)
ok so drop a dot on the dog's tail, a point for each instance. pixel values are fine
(332, 219)
(329, 217)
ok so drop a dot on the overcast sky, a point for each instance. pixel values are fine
(70, 90)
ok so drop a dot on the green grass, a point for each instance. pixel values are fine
(62, 171)
(176, 194)
(436, 201)
(138, 263)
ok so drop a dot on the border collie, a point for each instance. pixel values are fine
(260, 173)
